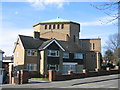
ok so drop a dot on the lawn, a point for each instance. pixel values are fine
(43, 79)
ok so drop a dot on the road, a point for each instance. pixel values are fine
(109, 81)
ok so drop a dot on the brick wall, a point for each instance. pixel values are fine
(80, 75)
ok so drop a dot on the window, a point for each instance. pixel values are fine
(32, 67)
(65, 55)
(58, 26)
(93, 46)
(17, 54)
(62, 26)
(53, 67)
(31, 53)
(93, 55)
(0, 72)
(45, 26)
(49, 26)
(78, 56)
(74, 38)
(84, 45)
(53, 53)
(54, 26)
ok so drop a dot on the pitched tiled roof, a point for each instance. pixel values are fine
(8, 58)
(32, 43)
(1, 51)
(44, 44)
(70, 47)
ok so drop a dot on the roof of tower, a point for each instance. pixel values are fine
(57, 20)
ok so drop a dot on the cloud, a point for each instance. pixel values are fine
(16, 12)
(41, 4)
(10, 36)
(102, 21)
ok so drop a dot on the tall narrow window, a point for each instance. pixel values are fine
(54, 26)
(58, 26)
(74, 38)
(62, 26)
(45, 26)
(49, 26)
(93, 46)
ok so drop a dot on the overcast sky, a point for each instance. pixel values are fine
(19, 17)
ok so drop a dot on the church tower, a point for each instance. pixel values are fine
(59, 29)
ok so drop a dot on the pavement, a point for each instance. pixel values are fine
(90, 82)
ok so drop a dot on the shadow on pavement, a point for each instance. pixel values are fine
(95, 81)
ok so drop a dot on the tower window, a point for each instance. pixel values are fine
(58, 26)
(45, 26)
(74, 38)
(49, 26)
(62, 26)
(93, 46)
(54, 26)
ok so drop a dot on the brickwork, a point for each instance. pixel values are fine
(72, 75)
(91, 44)
(19, 54)
(70, 30)
(23, 77)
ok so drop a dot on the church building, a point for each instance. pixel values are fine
(56, 45)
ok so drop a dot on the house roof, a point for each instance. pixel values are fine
(8, 58)
(32, 43)
(70, 46)
(49, 42)
(1, 51)
(57, 20)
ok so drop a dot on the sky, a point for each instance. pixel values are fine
(19, 17)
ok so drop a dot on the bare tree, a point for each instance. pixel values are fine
(111, 9)
(113, 44)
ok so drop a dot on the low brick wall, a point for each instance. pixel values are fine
(104, 72)
(20, 78)
(92, 73)
(23, 77)
(63, 77)
(78, 75)
(85, 74)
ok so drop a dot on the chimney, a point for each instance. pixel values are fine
(37, 35)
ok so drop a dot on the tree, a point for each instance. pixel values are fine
(111, 9)
(114, 42)
(112, 45)
(109, 55)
